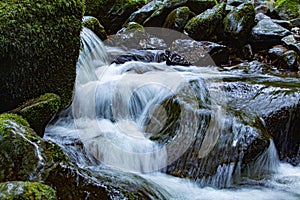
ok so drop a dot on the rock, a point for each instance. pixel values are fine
(289, 60)
(199, 6)
(172, 58)
(238, 24)
(141, 55)
(287, 9)
(38, 112)
(261, 16)
(26, 191)
(236, 2)
(284, 23)
(158, 17)
(93, 24)
(178, 18)
(39, 48)
(267, 34)
(295, 22)
(201, 53)
(276, 52)
(206, 25)
(143, 13)
(291, 42)
(254, 67)
(112, 14)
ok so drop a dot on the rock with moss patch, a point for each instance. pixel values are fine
(93, 24)
(24, 155)
(39, 48)
(199, 6)
(26, 191)
(178, 18)
(287, 9)
(112, 14)
(38, 112)
(205, 26)
(238, 24)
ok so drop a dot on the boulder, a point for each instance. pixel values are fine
(93, 24)
(238, 24)
(291, 42)
(205, 26)
(199, 6)
(39, 48)
(26, 191)
(287, 9)
(112, 14)
(178, 18)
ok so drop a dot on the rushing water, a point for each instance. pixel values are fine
(119, 108)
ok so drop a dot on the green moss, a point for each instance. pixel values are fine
(93, 24)
(39, 48)
(134, 26)
(288, 9)
(26, 191)
(178, 18)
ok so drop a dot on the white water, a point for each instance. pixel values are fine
(110, 115)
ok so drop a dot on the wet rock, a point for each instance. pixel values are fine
(284, 23)
(38, 112)
(39, 48)
(295, 22)
(112, 14)
(291, 42)
(26, 191)
(173, 58)
(206, 25)
(238, 24)
(158, 17)
(236, 3)
(254, 67)
(143, 13)
(178, 18)
(287, 9)
(267, 34)
(93, 24)
(276, 52)
(261, 16)
(201, 53)
(142, 55)
(199, 6)
(25, 156)
(289, 60)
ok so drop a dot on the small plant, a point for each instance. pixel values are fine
(216, 2)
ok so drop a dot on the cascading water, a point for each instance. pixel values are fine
(141, 118)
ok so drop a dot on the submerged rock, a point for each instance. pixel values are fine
(93, 24)
(39, 48)
(26, 191)
(38, 112)
(238, 24)
(205, 26)
(267, 34)
(287, 9)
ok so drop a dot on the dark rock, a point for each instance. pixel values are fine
(284, 23)
(201, 53)
(236, 3)
(112, 14)
(158, 17)
(93, 24)
(287, 9)
(289, 60)
(253, 67)
(206, 25)
(267, 34)
(145, 12)
(199, 6)
(178, 18)
(142, 55)
(238, 24)
(276, 52)
(262, 9)
(38, 112)
(173, 58)
(26, 191)
(39, 48)
(295, 22)
(291, 42)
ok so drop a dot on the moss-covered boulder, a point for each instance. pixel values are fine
(199, 6)
(238, 24)
(287, 9)
(93, 24)
(112, 14)
(178, 18)
(26, 191)
(24, 156)
(159, 16)
(38, 112)
(206, 25)
(39, 47)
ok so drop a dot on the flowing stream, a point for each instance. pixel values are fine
(130, 121)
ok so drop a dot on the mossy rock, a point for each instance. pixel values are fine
(112, 14)
(39, 48)
(38, 112)
(93, 24)
(24, 155)
(287, 9)
(159, 16)
(205, 26)
(26, 191)
(199, 6)
(178, 18)
(239, 23)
